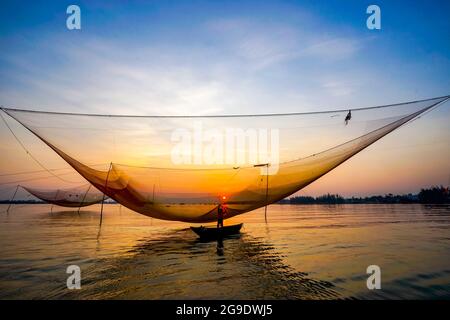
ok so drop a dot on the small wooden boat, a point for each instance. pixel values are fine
(217, 233)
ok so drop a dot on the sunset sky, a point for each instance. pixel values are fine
(231, 57)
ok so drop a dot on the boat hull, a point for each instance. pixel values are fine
(217, 233)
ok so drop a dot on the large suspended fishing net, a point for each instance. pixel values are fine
(182, 167)
(81, 196)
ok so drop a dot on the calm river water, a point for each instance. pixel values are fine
(302, 252)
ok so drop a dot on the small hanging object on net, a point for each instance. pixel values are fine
(162, 166)
(348, 117)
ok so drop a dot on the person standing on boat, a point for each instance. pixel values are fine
(220, 213)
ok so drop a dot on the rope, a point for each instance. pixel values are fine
(216, 116)
(29, 153)
(32, 179)
(31, 172)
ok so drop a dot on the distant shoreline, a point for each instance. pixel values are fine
(282, 202)
(356, 203)
(433, 195)
(38, 202)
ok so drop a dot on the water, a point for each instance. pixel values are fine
(303, 252)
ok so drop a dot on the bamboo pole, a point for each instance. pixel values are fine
(103, 200)
(12, 199)
(267, 191)
(84, 197)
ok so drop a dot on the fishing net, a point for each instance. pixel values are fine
(81, 196)
(182, 167)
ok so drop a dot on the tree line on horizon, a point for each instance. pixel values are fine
(433, 195)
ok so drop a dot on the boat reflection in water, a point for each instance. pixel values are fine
(220, 246)
(180, 266)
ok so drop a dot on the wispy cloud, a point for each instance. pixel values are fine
(338, 88)
(242, 64)
(95, 77)
(334, 49)
(264, 44)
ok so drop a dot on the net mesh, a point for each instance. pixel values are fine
(182, 167)
(81, 196)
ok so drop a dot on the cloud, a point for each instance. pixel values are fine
(100, 76)
(241, 65)
(334, 49)
(263, 44)
(338, 88)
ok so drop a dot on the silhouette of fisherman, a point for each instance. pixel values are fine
(348, 117)
(220, 213)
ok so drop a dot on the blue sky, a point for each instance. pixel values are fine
(223, 57)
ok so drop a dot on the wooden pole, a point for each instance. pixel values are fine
(103, 200)
(84, 197)
(267, 185)
(267, 191)
(12, 199)
(56, 196)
